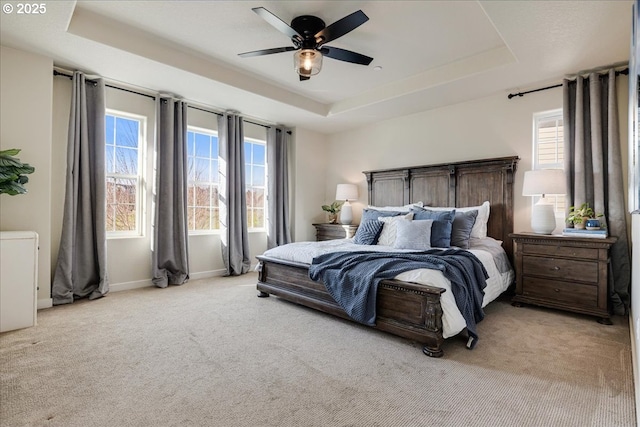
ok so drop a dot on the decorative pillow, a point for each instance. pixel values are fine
(368, 232)
(405, 208)
(462, 227)
(442, 223)
(373, 215)
(479, 230)
(413, 234)
(388, 234)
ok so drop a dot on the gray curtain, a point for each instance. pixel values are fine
(81, 269)
(278, 231)
(594, 167)
(233, 203)
(170, 252)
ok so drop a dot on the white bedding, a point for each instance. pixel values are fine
(452, 320)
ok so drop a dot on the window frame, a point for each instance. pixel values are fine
(209, 132)
(543, 116)
(140, 204)
(263, 143)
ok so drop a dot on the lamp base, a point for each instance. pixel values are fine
(346, 214)
(543, 219)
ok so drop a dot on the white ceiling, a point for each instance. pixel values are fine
(432, 53)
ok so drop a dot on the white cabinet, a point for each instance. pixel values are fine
(18, 279)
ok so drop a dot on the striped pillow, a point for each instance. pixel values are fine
(368, 232)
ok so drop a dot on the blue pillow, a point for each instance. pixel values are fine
(462, 226)
(368, 232)
(372, 214)
(442, 225)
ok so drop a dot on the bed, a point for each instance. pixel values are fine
(407, 306)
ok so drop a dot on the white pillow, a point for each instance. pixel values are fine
(389, 229)
(479, 230)
(405, 208)
(413, 234)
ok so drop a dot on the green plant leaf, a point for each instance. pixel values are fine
(13, 173)
(10, 152)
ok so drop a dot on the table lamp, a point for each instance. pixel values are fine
(346, 192)
(540, 183)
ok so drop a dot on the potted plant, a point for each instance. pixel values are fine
(333, 210)
(578, 216)
(13, 173)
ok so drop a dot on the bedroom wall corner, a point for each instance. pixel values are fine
(309, 164)
(25, 123)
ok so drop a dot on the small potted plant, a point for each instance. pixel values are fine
(578, 217)
(333, 210)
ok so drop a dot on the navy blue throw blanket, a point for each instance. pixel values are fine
(352, 278)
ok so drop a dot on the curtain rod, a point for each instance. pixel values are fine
(512, 95)
(58, 73)
(93, 82)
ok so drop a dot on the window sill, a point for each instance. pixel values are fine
(124, 236)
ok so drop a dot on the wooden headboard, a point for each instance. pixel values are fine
(457, 184)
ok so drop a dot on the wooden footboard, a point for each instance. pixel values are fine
(405, 309)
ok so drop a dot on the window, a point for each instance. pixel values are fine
(203, 180)
(256, 178)
(548, 148)
(124, 175)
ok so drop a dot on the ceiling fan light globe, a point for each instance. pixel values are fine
(307, 62)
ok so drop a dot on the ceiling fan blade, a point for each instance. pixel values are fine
(278, 23)
(345, 55)
(266, 51)
(341, 27)
(303, 78)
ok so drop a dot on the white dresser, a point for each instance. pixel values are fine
(18, 279)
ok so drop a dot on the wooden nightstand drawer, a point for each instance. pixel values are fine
(335, 231)
(560, 251)
(560, 269)
(560, 292)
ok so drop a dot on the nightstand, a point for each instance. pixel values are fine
(569, 273)
(335, 231)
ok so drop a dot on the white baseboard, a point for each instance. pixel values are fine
(125, 286)
(207, 274)
(45, 303)
(137, 284)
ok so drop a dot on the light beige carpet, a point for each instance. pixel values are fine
(210, 353)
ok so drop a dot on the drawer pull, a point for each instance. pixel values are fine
(557, 290)
(556, 268)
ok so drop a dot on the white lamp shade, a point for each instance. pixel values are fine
(347, 192)
(544, 181)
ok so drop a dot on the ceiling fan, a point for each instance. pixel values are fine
(309, 35)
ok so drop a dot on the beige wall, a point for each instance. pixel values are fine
(25, 123)
(308, 192)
